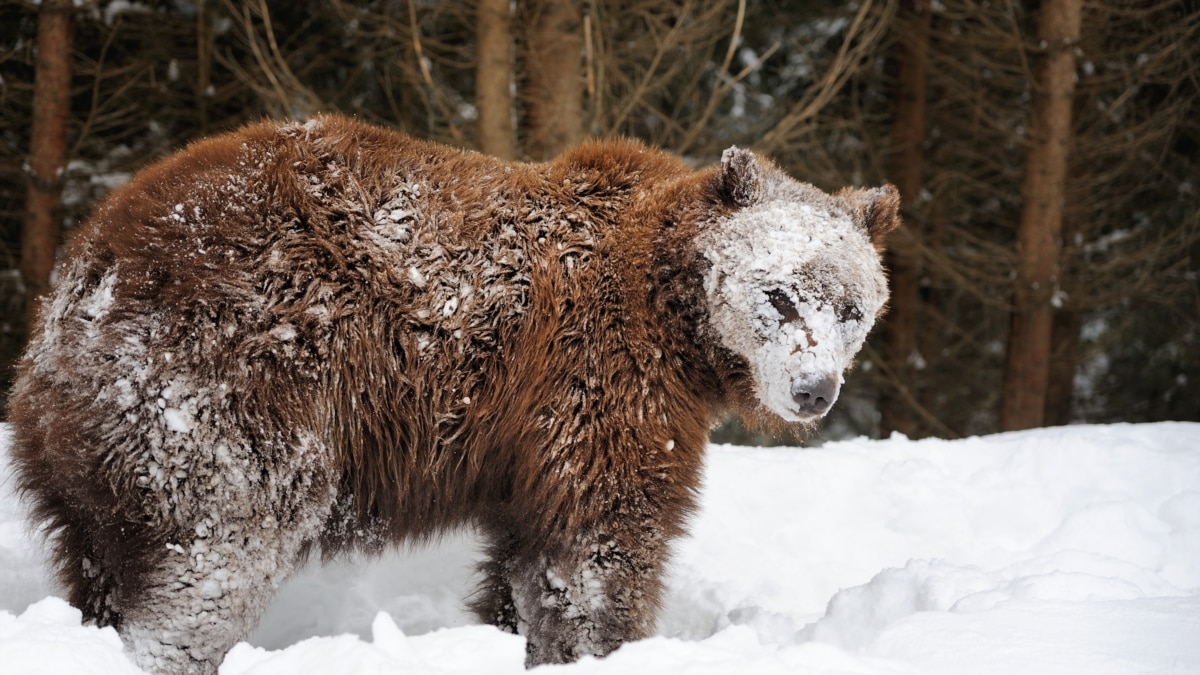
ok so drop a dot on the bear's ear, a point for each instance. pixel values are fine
(739, 181)
(881, 211)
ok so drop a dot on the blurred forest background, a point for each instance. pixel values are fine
(1048, 152)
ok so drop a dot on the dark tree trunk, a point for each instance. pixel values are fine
(493, 78)
(47, 149)
(1027, 366)
(1064, 342)
(555, 77)
(204, 57)
(903, 258)
(932, 333)
(1064, 358)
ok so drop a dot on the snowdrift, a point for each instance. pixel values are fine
(1055, 551)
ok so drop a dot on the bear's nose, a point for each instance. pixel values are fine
(816, 397)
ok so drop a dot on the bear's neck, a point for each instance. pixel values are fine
(650, 209)
(677, 298)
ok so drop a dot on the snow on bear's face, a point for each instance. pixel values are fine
(795, 281)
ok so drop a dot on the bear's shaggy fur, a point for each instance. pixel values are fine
(332, 335)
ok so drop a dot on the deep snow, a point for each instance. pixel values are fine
(1055, 551)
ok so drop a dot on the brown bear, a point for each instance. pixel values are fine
(330, 336)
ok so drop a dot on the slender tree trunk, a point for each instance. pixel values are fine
(1064, 343)
(932, 334)
(47, 149)
(493, 78)
(1027, 367)
(1064, 357)
(204, 49)
(904, 261)
(555, 71)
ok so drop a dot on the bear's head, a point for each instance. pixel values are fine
(793, 282)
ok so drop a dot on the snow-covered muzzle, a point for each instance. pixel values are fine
(794, 286)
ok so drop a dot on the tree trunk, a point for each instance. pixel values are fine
(904, 261)
(47, 149)
(204, 52)
(1064, 358)
(493, 78)
(1064, 339)
(932, 332)
(555, 77)
(1027, 366)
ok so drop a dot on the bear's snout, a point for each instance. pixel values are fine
(815, 397)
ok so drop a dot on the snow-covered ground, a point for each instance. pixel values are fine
(1056, 551)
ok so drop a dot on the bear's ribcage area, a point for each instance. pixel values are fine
(454, 294)
(453, 280)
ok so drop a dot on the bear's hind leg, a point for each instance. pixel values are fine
(98, 563)
(220, 567)
(493, 600)
(205, 595)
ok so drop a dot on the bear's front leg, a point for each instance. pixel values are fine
(588, 594)
(590, 543)
(584, 532)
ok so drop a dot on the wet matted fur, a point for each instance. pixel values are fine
(333, 335)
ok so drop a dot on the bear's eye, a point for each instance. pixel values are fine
(849, 312)
(783, 305)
